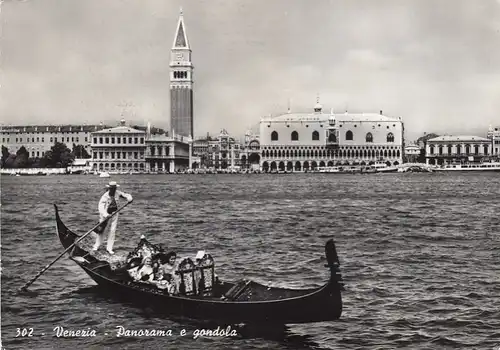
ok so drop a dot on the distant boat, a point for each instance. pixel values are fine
(103, 174)
(493, 166)
(382, 167)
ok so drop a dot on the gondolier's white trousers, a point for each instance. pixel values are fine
(111, 231)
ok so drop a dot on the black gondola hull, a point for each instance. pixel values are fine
(284, 306)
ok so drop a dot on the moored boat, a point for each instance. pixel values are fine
(493, 166)
(248, 302)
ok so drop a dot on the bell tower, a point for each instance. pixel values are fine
(181, 83)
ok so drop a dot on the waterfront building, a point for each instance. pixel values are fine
(38, 139)
(118, 149)
(306, 141)
(165, 153)
(412, 153)
(250, 152)
(448, 149)
(181, 83)
(494, 136)
(222, 152)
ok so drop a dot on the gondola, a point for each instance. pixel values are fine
(240, 302)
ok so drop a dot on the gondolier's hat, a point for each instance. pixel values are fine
(112, 184)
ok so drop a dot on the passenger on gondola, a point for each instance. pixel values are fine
(169, 279)
(107, 206)
(133, 267)
(146, 273)
(169, 265)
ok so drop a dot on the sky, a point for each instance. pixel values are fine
(435, 63)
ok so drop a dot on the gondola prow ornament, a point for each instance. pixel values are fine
(107, 206)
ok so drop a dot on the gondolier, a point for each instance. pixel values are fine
(107, 206)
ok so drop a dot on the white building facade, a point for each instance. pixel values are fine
(38, 139)
(445, 150)
(306, 141)
(119, 149)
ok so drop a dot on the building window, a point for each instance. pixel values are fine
(86, 140)
(100, 140)
(101, 155)
(112, 155)
(38, 153)
(476, 150)
(136, 140)
(274, 136)
(55, 139)
(43, 139)
(142, 140)
(390, 137)
(295, 136)
(315, 136)
(107, 140)
(130, 140)
(95, 140)
(431, 149)
(95, 155)
(459, 149)
(32, 139)
(369, 137)
(37, 139)
(449, 149)
(124, 140)
(440, 150)
(467, 149)
(349, 136)
(118, 140)
(112, 140)
(485, 148)
(67, 139)
(332, 137)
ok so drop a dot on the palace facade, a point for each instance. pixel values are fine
(118, 149)
(38, 139)
(306, 141)
(445, 150)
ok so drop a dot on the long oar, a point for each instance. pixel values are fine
(25, 287)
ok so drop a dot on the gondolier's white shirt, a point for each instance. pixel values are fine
(106, 201)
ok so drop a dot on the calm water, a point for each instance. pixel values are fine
(420, 256)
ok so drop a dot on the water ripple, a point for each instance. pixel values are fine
(419, 255)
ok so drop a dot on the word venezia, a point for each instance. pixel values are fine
(218, 332)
